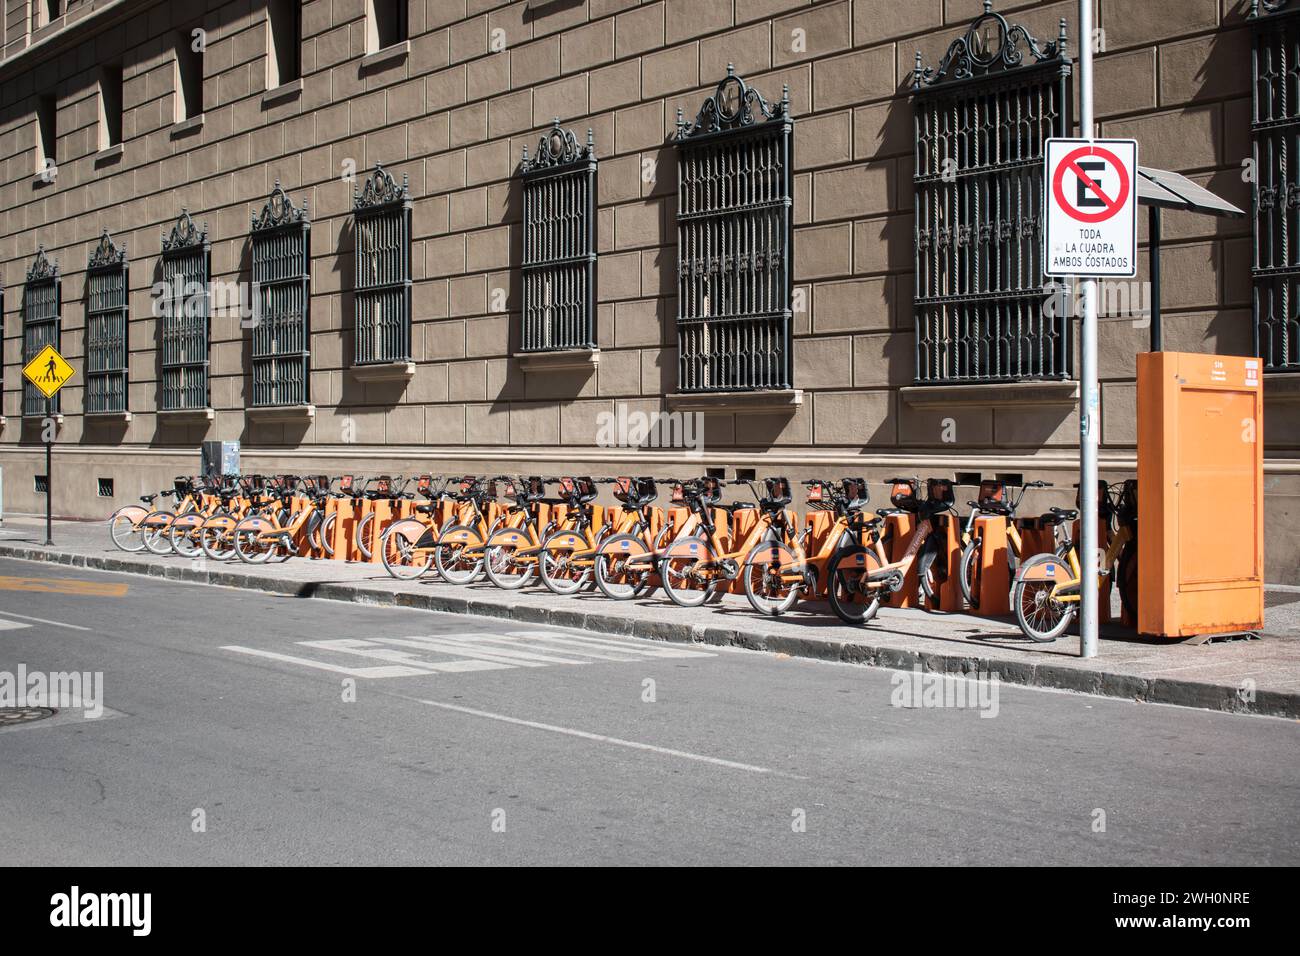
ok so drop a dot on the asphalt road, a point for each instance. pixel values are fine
(478, 742)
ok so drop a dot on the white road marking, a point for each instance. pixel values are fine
(604, 739)
(11, 625)
(41, 620)
(470, 652)
(372, 672)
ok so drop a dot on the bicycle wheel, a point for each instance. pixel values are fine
(612, 575)
(850, 566)
(362, 535)
(560, 572)
(216, 537)
(327, 533)
(970, 572)
(682, 573)
(449, 555)
(766, 572)
(123, 531)
(184, 537)
(503, 565)
(154, 534)
(398, 553)
(1041, 617)
(249, 545)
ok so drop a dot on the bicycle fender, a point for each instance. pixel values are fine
(409, 527)
(852, 562)
(464, 536)
(508, 537)
(772, 552)
(225, 522)
(191, 519)
(686, 548)
(567, 540)
(256, 524)
(1044, 571)
(134, 512)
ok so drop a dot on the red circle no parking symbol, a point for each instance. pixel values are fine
(1091, 203)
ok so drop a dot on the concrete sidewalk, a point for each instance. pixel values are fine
(1255, 676)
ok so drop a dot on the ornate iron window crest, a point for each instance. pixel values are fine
(1262, 8)
(106, 253)
(280, 211)
(184, 233)
(42, 268)
(733, 105)
(976, 54)
(380, 189)
(559, 147)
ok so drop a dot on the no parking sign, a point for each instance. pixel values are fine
(1091, 215)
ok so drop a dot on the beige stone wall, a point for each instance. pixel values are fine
(480, 81)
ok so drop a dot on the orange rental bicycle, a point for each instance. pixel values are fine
(700, 560)
(863, 574)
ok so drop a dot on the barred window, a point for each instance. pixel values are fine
(382, 210)
(41, 308)
(183, 308)
(1275, 129)
(981, 117)
(559, 186)
(734, 236)
(281, 296)
(107, 288)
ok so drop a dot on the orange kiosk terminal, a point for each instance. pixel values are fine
(1200, 495)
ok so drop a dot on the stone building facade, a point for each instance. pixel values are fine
(175, 122)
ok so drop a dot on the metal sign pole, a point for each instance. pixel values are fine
(49, 473)
(1089, 402)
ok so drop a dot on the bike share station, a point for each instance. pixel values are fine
(1200, 428)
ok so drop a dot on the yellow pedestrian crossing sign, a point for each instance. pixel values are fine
(49, 371)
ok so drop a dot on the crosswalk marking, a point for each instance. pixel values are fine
(423, 655)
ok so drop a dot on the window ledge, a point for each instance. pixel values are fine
(389, 54)
(270, 414)
(109, 153)
(285, 91)
(97, 417)
(991, 394)
(783, 400)
(3, 421)
(40, 416)
(560, 360)
(186, 416)
(385, 372)
(187, 126)
(41, 178)
(1282, 386)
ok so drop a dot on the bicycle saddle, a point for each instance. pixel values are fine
(1060, 514)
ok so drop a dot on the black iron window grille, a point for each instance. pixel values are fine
(183, 308)
(382, 210)
(984, 310)
(734, 236)
(1275, 129)
(107, 289)
(42, 304)
(559, 267)
(281, 239)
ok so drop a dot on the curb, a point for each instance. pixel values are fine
(1216, 697)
